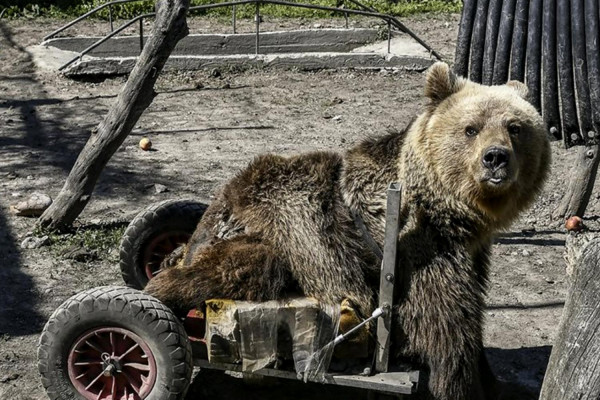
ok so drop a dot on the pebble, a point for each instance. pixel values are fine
(33, 242)
(9, 377)
(526, 253)
(158, 188)
(34, 206)
(337, 118)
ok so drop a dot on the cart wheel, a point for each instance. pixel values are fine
(114, 343)
(153, 234)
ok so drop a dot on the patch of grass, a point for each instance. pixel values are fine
(75, 8)
(93, 240)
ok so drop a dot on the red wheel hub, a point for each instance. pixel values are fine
(159, 248)
(111, 364)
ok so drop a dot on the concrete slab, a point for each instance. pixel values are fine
(304, 50)
(297, 41)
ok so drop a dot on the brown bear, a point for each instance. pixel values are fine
(474, 159)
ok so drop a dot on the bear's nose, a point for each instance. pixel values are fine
(495, 158)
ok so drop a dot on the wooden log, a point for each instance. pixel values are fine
(581, 184)
(463, 43)
(564, 51)
(169, 27)
(519, 41)
(502, 60)
(574, 368)
(534, 53)
(478, 40)
(586, 54)
(491, 41)
(550, 106)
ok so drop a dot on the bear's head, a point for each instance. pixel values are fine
(485, 146)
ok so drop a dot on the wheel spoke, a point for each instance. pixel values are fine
(79, 363)
(95, 380)
(78, 377)
(113, 388)
(135, 346)
(112, 343)
(139, 366)
(131, 382)
(99, 396)
(93, 346)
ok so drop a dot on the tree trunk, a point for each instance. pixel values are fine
(577, 197)
(574, 367)
(169, 27)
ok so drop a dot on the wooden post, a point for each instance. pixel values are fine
(577, 197)
(574, 367)
(169, 27)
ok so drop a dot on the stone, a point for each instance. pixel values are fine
(33, 206)
(33, 242)
(158, 188)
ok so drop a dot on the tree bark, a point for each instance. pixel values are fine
(574, 367)
(576, 198)
(169, 27)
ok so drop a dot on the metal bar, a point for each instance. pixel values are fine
(502, 57)
(519, 41)
(584, 104)
(478, 40)
(491, 41)
(389, 35)
(234, 18)
(104, 39)
(343, 336)
(110, 18)
(84, 16)
(550, 107)
(387, 277)
(346, 16)
(141, 34)
(565, 71)
(534, 52)
(463, 43)
(592, 37)
(403, 382)
(400, 26)
(257, 18)
(386, 17)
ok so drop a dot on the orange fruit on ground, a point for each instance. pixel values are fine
(574, 224)
(145, 144)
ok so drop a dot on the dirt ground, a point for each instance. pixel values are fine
(204, 128)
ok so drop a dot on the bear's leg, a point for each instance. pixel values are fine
(484, 385)
(240, 268)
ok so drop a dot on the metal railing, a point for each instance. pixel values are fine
(365, 11)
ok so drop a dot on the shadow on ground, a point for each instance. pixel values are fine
(526, 365)
(18, 296)
(216, 385)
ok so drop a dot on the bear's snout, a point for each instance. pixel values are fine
(495, 158)
(497, 168)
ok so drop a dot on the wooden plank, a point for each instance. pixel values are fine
(398, 382)
(574, 367)
(387, 277)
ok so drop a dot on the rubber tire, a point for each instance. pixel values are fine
(123, 307)
(169, 215)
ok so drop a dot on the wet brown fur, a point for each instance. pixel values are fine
(284, 226)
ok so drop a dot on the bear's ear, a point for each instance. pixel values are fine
(520, 88)
(441, 82)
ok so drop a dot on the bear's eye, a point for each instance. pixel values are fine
(514, 129)
(470, 131)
